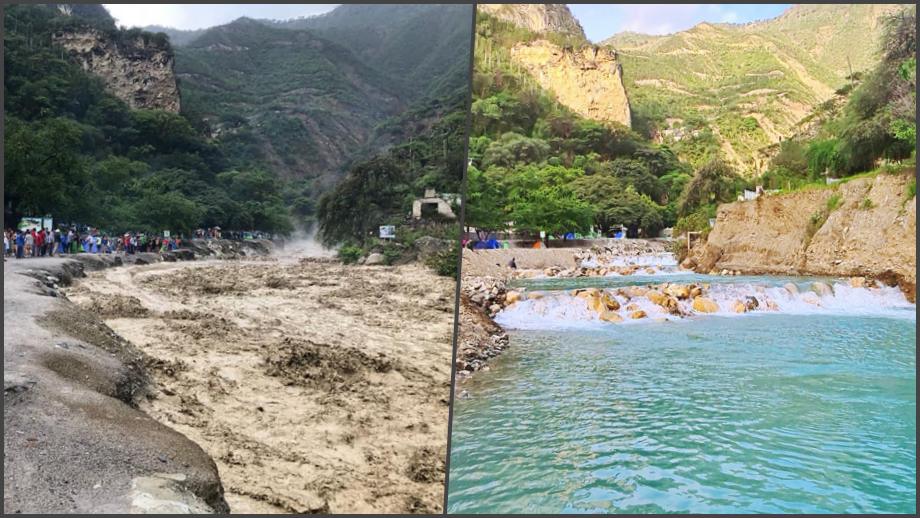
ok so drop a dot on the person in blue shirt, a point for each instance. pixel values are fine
(20, 243)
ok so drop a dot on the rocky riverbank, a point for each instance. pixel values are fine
(484, 291)
(566, 262)
(864, 228)
(75, 440)
(479, 338)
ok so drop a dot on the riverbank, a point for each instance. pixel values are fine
(75, 440)
(598, 372)
(314, 386)
(643, 264)
(494, 263)
(865, 227)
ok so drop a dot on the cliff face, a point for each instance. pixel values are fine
(137, 70)
(870, 231)
(539, 18)
(588, 79)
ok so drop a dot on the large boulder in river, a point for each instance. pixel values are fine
(596, 304)
(610, 302)
(375, 258)
(704, 305)
(635, 315)
(791, 288)
(822, 289)
(656, 297)
(611, 316)
(681, 291)
(751, 303)
(670, 305)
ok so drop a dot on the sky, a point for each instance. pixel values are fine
(602, 21)
(198, 16)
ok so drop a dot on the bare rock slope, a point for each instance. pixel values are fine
(137, 70)
(539, 18)
(587, 79)
(865, 227)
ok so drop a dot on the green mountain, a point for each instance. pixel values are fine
(420, 46)
(287, 100)
(272, 116)
(310, 97)
(76, 150)
(731, 90)
(538, 164)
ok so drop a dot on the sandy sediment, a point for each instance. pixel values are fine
(316, 387)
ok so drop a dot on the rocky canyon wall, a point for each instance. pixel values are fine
(137, 70)
(865, 227)
(587, 79)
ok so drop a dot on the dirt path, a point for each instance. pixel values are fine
(314, 386)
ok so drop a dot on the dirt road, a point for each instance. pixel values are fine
(314, 386)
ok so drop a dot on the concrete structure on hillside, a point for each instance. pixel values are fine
(432, 203)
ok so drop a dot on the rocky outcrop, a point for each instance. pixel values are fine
(137, 70)
(864, 227)
(75, 440)
(480, 338)
(587, 79)
(539, 18)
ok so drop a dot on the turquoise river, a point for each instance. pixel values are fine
(806, 407)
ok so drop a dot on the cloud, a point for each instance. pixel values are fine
(197, 16)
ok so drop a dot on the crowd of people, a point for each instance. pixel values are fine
(46, 243)
(42, 242)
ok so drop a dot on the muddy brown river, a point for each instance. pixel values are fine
(314, 386)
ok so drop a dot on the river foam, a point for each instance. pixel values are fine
(563, 309)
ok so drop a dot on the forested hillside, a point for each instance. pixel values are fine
(539, 167)
(871, 119)
(78, 153)
(287, 100)
(273, 115)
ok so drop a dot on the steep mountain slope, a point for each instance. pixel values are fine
(549, 44)
(731, 90)
(309, 97)
(79, 145)
(539, 18)
(424, 48)
(287, 99)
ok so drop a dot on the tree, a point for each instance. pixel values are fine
(636, 173)
(617, 203)
(485, 201)
(715, 182)
(373, 193)
(513, 148)
(45, 172)
(554, 209)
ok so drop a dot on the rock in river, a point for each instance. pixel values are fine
(704, 305)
